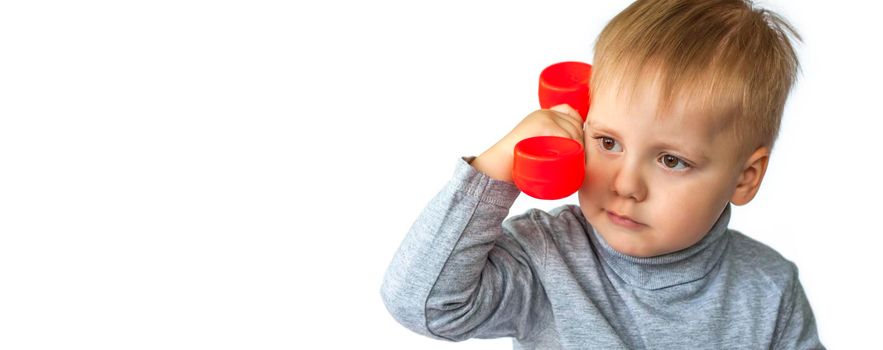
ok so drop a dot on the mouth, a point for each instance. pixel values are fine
(623, 220)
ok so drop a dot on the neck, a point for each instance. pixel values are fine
(683, 266)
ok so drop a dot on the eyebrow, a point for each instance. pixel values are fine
(698, 157)
(595, 125)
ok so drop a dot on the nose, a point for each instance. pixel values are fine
(628, 182)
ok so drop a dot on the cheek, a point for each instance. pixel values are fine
(698, 192)
(596, 177)
(595, 188)
(588, 192)
(687, 211)
(683, 197)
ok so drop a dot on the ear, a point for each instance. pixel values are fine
(751, 176)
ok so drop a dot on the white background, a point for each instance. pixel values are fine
(238, 175)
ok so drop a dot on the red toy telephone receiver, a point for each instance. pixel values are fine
(552, 167)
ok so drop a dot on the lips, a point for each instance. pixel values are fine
(623, 220)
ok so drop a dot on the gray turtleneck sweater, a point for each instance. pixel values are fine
(549, 281)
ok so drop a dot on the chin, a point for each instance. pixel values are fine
(634, 251)
(627, 243)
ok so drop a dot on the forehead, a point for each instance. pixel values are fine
(637, 119)
(640, 107)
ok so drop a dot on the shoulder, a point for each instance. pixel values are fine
(760, 263)
(538, 227)
(566, 218)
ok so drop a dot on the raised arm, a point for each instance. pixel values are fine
(457, 275)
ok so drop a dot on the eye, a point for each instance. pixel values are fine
(672, 162)
(609, 144)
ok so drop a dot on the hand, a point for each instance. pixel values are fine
(561, 120)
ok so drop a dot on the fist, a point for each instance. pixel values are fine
(561, 120)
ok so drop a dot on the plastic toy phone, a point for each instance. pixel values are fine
(552, 167)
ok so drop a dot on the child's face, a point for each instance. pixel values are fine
(672, 176)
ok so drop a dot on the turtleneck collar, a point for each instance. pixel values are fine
(686, 265)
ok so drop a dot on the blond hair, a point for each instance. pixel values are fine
(725, 56)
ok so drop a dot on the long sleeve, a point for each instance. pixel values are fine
(457, 275)
(796, 327)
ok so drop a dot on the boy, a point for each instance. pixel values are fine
(687, 98)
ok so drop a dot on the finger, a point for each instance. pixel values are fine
(573, 131)
(567, 109)
(570, 113)
(576, 122)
